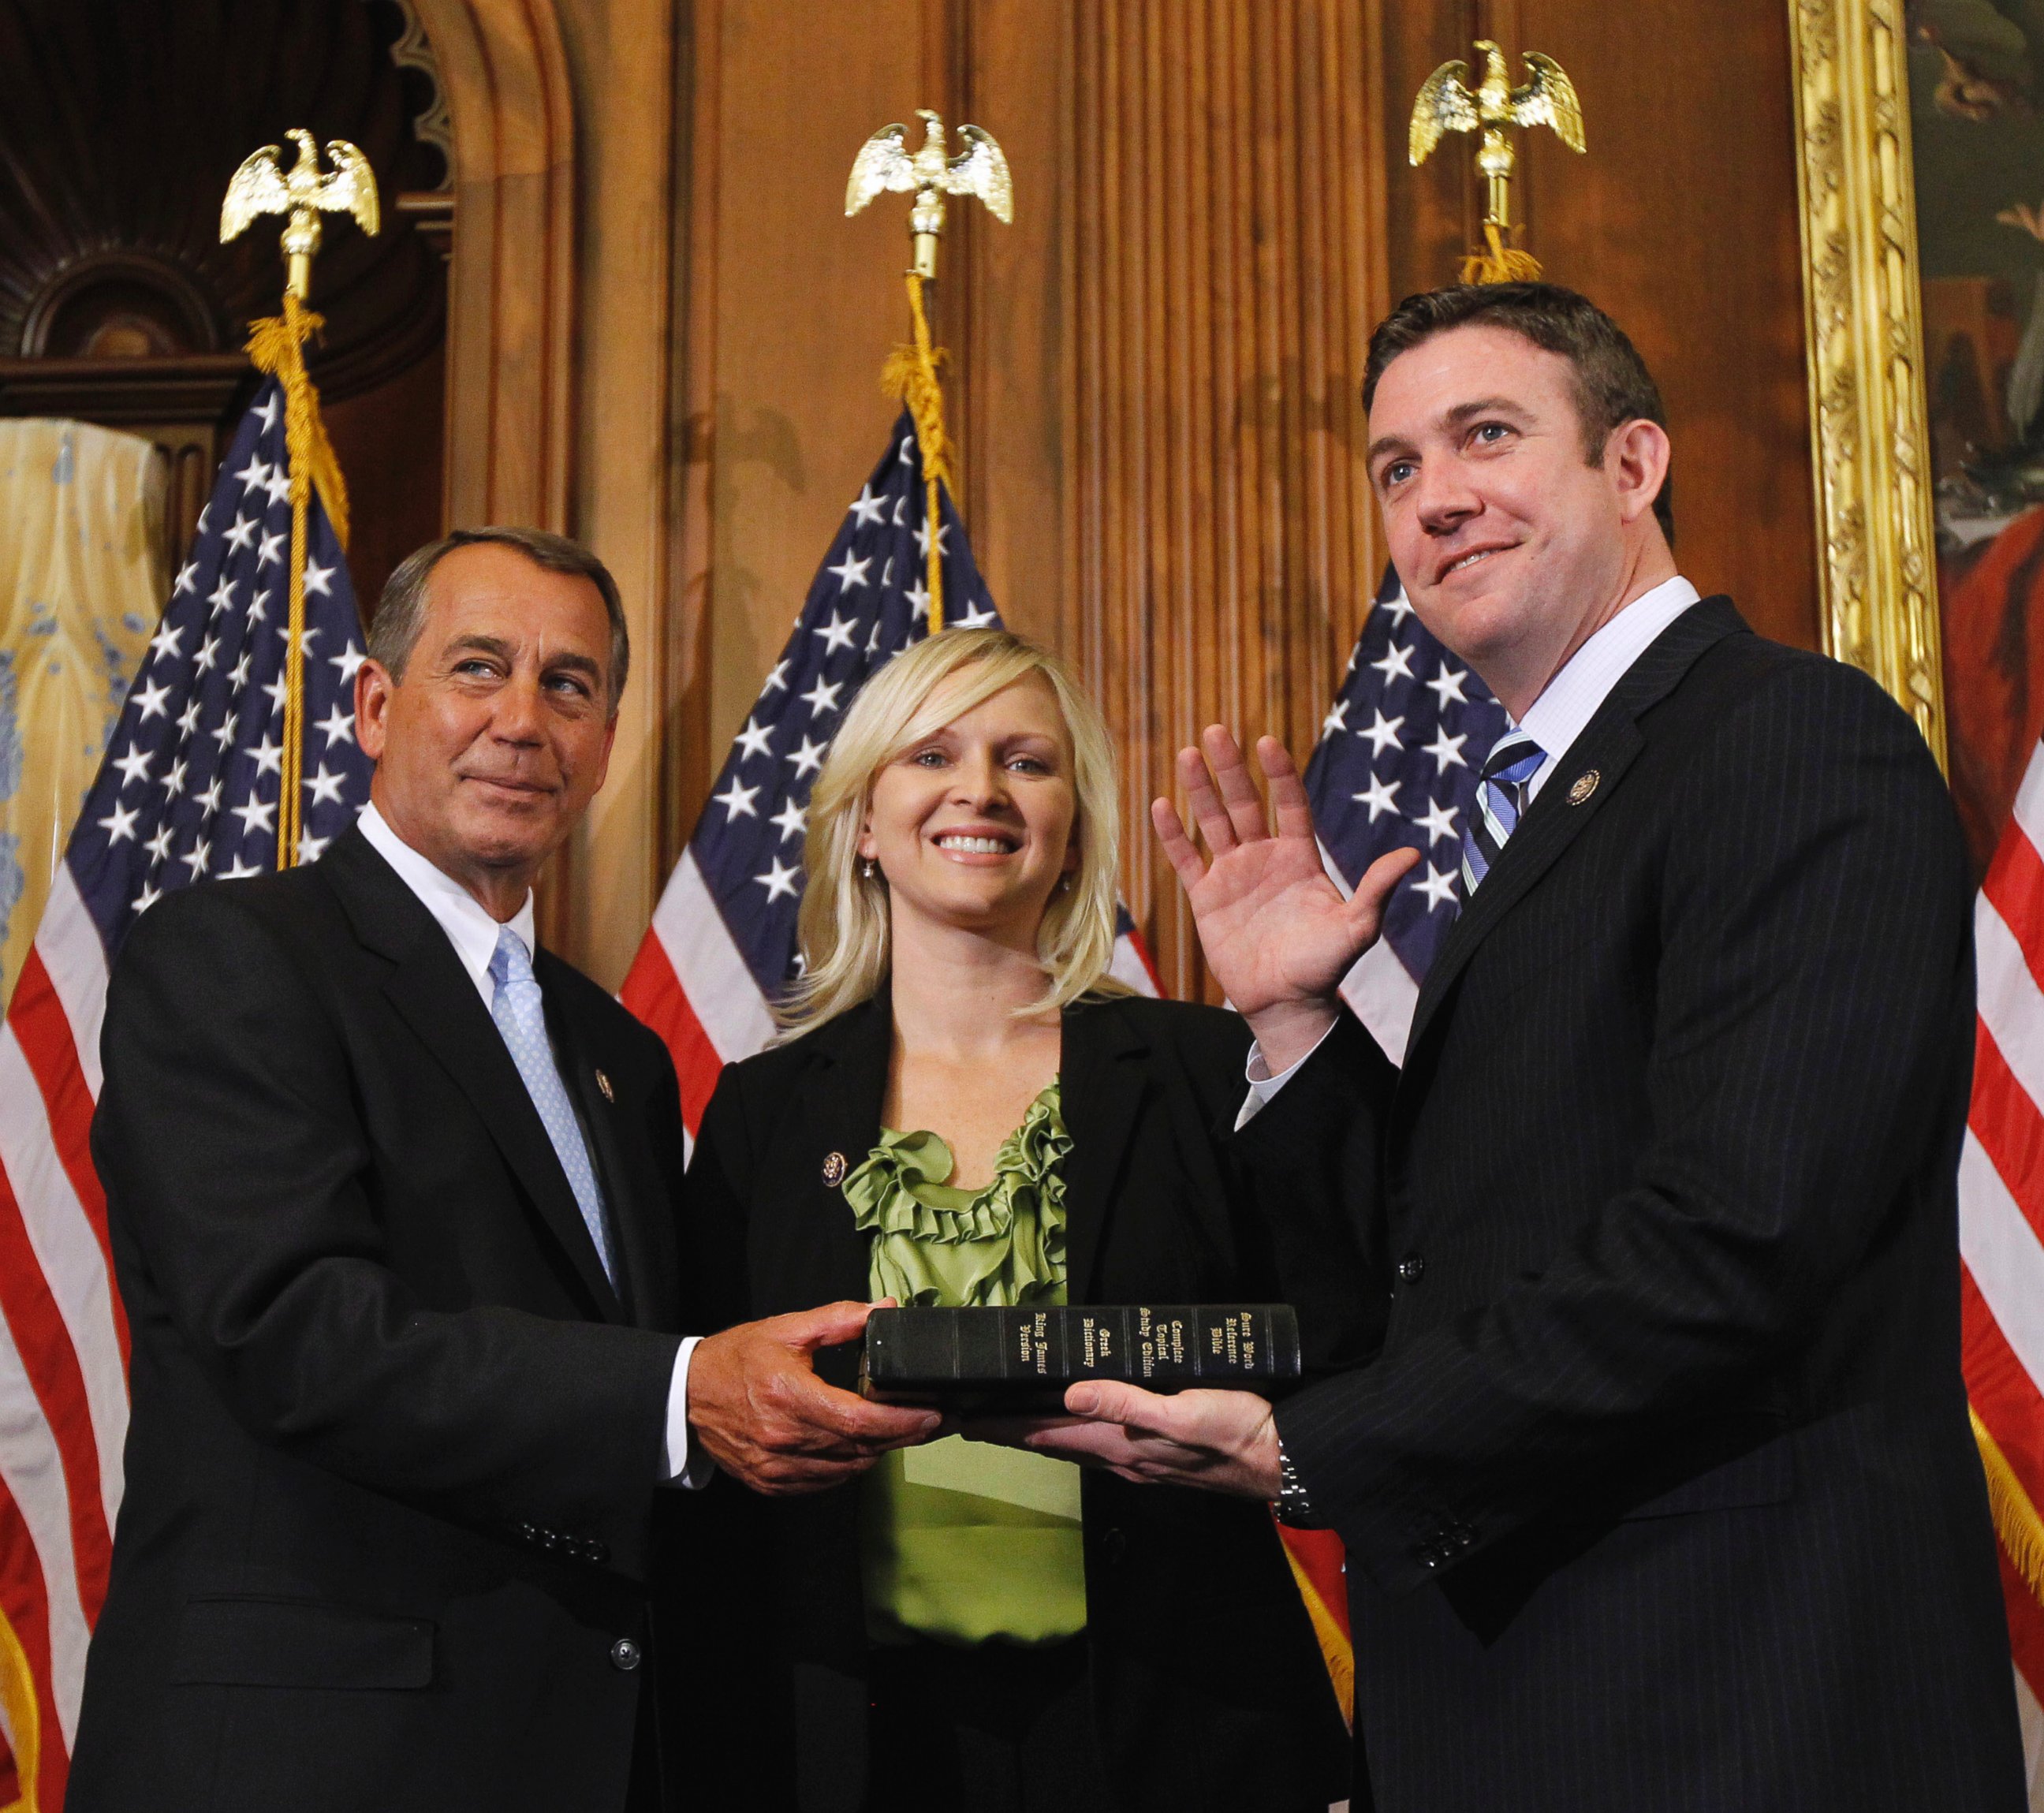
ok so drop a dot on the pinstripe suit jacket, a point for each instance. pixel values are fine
(1660, 1493)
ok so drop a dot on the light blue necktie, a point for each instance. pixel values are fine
(1500, 798)
(521, 1017)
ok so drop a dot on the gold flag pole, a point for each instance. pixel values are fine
(276, 344)
(913, 372)
(1446, 104)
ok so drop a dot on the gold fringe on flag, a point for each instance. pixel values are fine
(2016, 1519)
(1335, 1650)
(25, 1720)
(912, 374)
(276, 344)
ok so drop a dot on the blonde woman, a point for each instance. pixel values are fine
(967, 1108)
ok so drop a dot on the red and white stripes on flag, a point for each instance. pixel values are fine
(63, 1349)
(2001, 1236)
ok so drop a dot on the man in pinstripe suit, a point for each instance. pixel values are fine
(1660, 1493)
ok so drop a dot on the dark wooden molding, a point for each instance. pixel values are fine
(119, 393)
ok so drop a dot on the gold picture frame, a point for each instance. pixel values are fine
(1869, 432)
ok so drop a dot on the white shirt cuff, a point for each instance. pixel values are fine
(687, 1470)
(1263, 1087)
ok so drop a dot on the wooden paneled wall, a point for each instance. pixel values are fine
(1155, 370)
(1680, 220)
(1222, 546)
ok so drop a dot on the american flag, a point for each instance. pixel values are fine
(2001, 1231)
(721, 947)
(1395, 768)
(188, 789)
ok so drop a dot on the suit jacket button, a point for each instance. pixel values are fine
(1113, 1546)
(624, 1655)
(1411, 1269)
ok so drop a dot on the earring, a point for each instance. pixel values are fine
(1064, 884)
(865, 867)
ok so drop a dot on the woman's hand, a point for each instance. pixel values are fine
(1277, 932)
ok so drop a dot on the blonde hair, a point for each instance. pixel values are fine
(843, 929)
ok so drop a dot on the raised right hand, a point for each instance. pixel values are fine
(756, 1403)
(1277, 935)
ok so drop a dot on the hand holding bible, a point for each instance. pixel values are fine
(756, 1403)
(1222, 1441)
(1277, 932)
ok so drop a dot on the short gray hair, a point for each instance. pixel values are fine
(400, 612)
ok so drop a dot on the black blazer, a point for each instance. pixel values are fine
(394, 1440)
(1207, 1682)
(1662, 1494)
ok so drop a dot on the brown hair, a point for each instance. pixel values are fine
(400, 612)
(1613, 385)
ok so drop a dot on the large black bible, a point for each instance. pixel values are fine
(1000, 1360)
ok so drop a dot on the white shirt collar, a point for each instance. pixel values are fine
(461, 915)
(1563, 711)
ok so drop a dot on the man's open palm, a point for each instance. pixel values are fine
(1277, 935)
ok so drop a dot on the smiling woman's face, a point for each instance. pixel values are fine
(973, 826)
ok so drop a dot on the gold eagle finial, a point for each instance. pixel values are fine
(884, 161)
(261, 185)
(1446, 103)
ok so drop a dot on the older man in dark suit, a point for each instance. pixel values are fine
(1660, 1492)
(392, 1195)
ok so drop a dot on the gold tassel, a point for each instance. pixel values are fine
(1500, 263)
(276, 344)
(2016, 1519)
(912, 374)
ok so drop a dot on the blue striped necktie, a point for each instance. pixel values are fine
(1501, 798)
(519, 1012)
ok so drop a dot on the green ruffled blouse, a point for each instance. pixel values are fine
(960, 1541)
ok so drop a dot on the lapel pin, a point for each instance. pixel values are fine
(834, 1171)
(1586, 785)
(603, 1083)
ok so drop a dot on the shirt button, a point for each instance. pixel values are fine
(1411, 1269)
(624, 1655)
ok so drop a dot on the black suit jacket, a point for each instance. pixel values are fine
(394, 1439)
(1660, 1493)
(1208, 1683)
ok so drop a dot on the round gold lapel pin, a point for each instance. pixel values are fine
(834, 1169)
(1586, 785)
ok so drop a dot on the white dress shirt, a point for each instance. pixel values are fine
(473, 933)
(1554, 720)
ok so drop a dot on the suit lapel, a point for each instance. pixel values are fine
(436, 999)
(1607, 747)
(643, 1243)
(835, 1112)
(1100, 1086)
